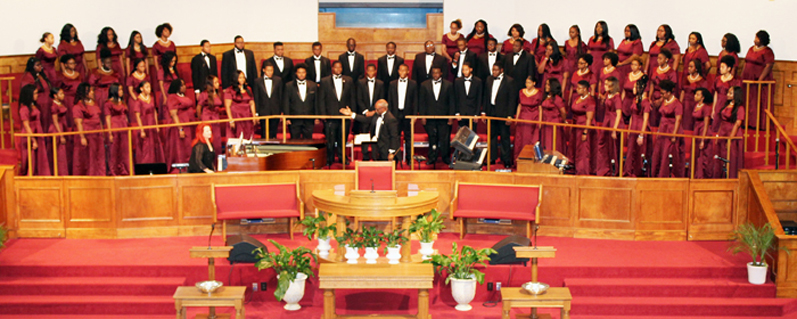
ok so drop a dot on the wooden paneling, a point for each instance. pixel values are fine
(605, 203)
(39, 207)
(713, 209)
(146, 202)
(662, 204)
(90, 202)
(8, 201)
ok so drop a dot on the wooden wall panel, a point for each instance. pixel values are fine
(558, 199)
(8, 201)
(39, 207)
(146, 202)
(91, 202)
(713, 209)
(662, 204)
(605, 203)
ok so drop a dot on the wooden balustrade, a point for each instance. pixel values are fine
(5, 101)
(781, 136)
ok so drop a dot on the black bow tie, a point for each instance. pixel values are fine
(301, 82)
(430, 54)
(517, 54)
(317, 59)
(352, 53)
(370, 81)
(204, 55)
(498, 78)
(436, 81)
(338, 77)
(390, 58)
(492, 53)
(277, 58)
(467, 80)
(239, 51)
(403, 80)
(266, 78)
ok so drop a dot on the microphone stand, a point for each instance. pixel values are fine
(644, 166)
(670, 165)
(777, 154)
(372, 186)
(614, 168)
(212, 228)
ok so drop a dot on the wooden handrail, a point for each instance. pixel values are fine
(790, 148)
(766, 204)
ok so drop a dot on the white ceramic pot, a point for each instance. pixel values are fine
(427, 249)
(294, 293)
(352, 254)
(371, 254)
(324, 247)
(463, 291)
(757, 275)
(393, 254)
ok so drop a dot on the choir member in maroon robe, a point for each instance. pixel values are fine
(208, 105)
(135, 78)
(731, 119)
(181, 110)
(239, 103)
(730, 46)
(108, 40)
(696, 51)
(30, 116)
(163, 45)
(553, 111)
(583, 108)
(722, 84)
(695, 79)
(582, 73)
(668, 156)
(599, 44)
(551, 64)
(609, 61)
(115, 110)
(48, 55)
(102, 77)
(477, 39)
(629, 49)
(70, 44)
(59, 113)
(34, 74)
(606, 148)
(662, 72)
(89, 152)
(450, 40)
(68, 80)
(637, 107)
(136, 50)
(574, 48)
(758, 67)
(528, 109)
(166, 75)
(540, 43)
(704, 151)
(664, 40)
(150, 146)
(515, 33)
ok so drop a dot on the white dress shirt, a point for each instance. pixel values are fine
(467, 84)
(402, 92)
(460, 62)
(337, 80)
(240, 61)
(302, 89)
(496, 85)
(491, 56)
(515, 57)
(436, 85)
(267, 84)
(207, 59)
(371, 82)
(429, 59)
(351, 61)
(317, 64)
(390, 60)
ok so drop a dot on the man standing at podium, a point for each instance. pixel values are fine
(383, 127)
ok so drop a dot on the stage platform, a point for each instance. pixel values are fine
(135, 278)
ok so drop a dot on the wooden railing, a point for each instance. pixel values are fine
(781, 137)
(5, 103)
(759, 112)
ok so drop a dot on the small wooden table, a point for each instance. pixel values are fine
(515, 297)
(333, 276)
(188, 296)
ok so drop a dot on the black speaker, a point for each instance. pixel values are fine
(506, 254)
(243, 248)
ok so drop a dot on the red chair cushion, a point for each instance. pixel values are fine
(256, 201)
(481, 201)
(382, 177)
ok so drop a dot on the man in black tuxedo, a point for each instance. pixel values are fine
(387, 65)
(283, 66)
(520, 65)
(487, 59)
(301, 98)
(268, 98)
(384, 127)
(202, 66)
(424, 62)
(462, 56)
(318, 66)
(402, 97)
(369, 90)
(468, 99)
(238, 59)
(436, 97)
(337, 92)
(500, 100)
(353, 62)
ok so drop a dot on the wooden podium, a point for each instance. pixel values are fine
(372, 205)
(555, 297)
(211, 253)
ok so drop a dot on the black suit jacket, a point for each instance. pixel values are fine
(505, 99)
(470, 57)
(200, 70)
(292, 102)
(410, 99)
(268, 105)
(357, 70)
(444, 105)
(471, 103)
(381, 69)
(329, 96)
(525, 66)
(483, 70)
(229, 68)
(363, 102)
(419, 67)
(326, 68)
(287, 73)
(388, 134)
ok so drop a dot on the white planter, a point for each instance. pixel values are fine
(295, 293)
(371, 254)
(393, 255)
(427, 249)
(352, 254)
(324, 247)
(463, 291)
(757, 275)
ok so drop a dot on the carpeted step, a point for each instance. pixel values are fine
(669, 287)
(670, 317)
(86, 317)
(681, 306)
(146, 286)
(98, 305)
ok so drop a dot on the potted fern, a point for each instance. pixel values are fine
(320, 226)
(427, 226)
(460, 267)
(393, 241)
(759, 242)
(371, 238)
(292, 268)
(353, 242)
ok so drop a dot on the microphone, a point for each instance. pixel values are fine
(614, 168)
(670, 160)
(212, 228)
(644, 165)
(726, 161)
(536, 227)
(372, 186)
(313, 160)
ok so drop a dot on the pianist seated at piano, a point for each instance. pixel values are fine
(202, 153)
(384, 130)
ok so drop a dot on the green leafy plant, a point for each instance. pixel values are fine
(371, 237)
(318, 224)
(351, 238)
(286, 263)
(3, 235)
(460, 264)
(394, 239)
(758, 242)
(428, 225)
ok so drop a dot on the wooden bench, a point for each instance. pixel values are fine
(257, 201)
(515, 297)
(496, 201)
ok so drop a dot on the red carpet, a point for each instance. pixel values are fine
(135, 278)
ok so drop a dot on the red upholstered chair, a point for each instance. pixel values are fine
(380, 176)
(257, 201)
(496, 201)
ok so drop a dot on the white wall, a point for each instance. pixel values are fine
(712, 18)
(24, 21)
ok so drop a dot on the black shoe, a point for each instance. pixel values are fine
(430, 162)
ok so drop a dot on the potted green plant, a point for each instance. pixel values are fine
(292, 268)
(393, 241)
(759, 242)
(372, 239)
(353, 242)
(427, 226)
(461, 272)
(3, 235)
(320, 226)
